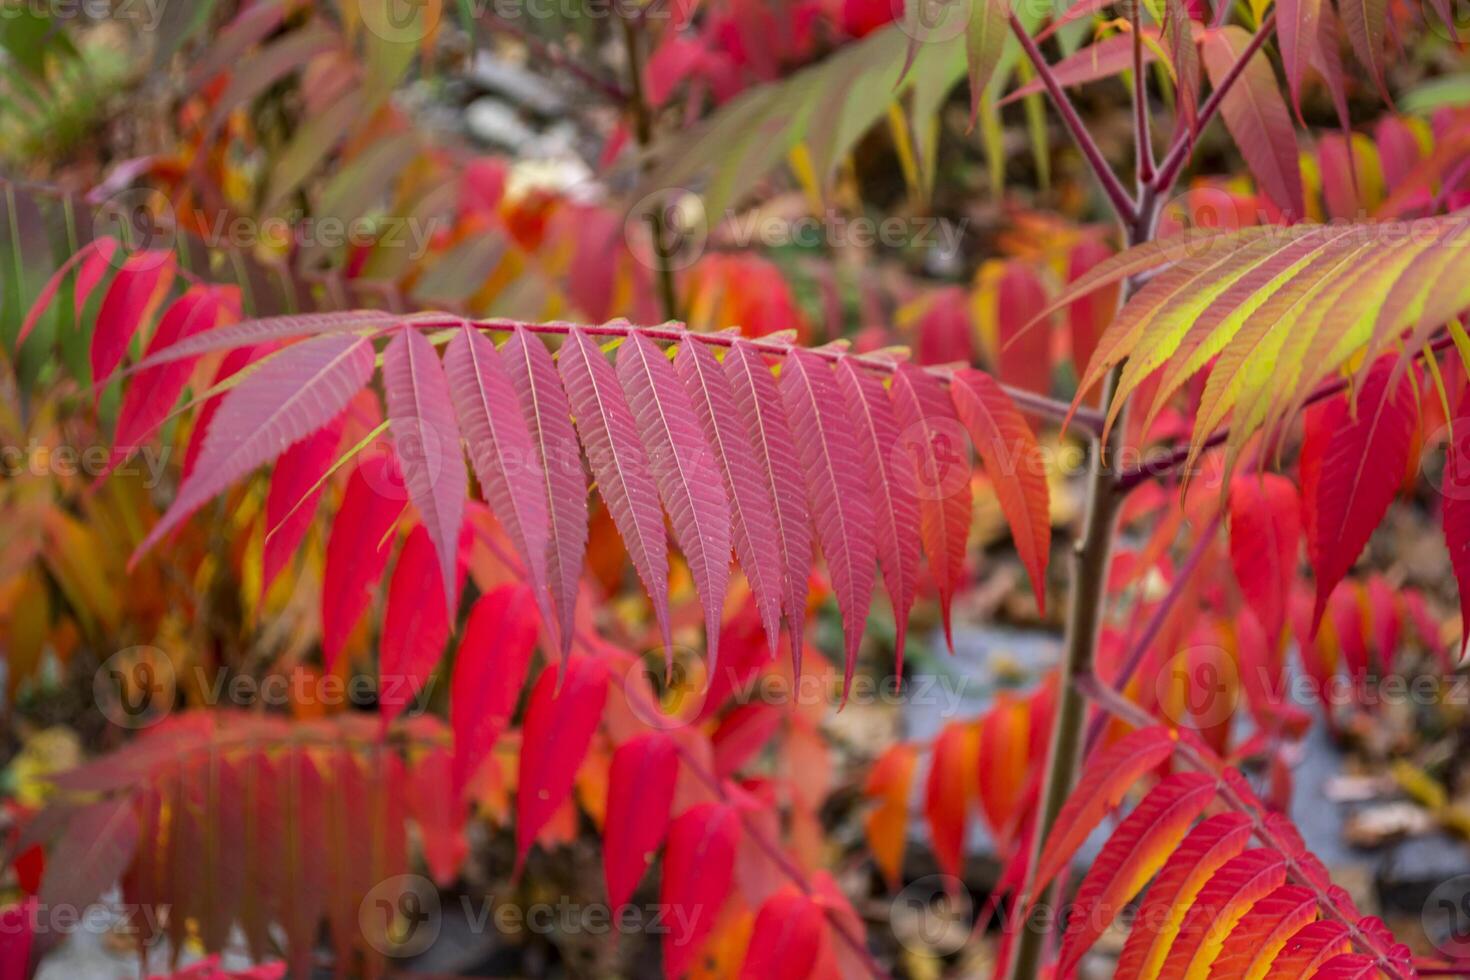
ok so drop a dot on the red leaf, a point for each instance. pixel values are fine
(426, 437)
(754, 520)
(1362, 468)
(134, 294)
(1013, 463)
(837, 491)
(489, 671)
(357, 551)
(786, 939)
(947, 794)
(1209, 845)
(698, 870)
(1265, 535)
(17, 923)
(548, 417)
(932, 442)
(1137, 849)
(1367, 24)
(619, 464)
(894, 491)
(684, 470)
(502, 453)
(779, 468)
(151, 394)
(1305, 952)
(555, 735)
(743, 733)
(282, 401)
(1297, 27)
(438, 809)
(93, 258)
(1239, 883)
(1106, 776)
(640, 793)
(297, 483)
(1455, 517)
(415, 627)
(1024, 357)
(1257, 118)
(1263, 931)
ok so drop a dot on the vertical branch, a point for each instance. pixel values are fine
(643, 134)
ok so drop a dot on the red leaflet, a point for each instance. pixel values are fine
(231, 364)
(94, 258)
(895, 489)
(1296, 29)
(640, 792)
(150, 396)
(889, 782)
(134, 294)
(357, 551)
(284, 400)
(18, 922)
(1221, 903)
(1089, 315)
(438, 809)
(1263, 931)
(1137, 849)
(684, 470)
(743, 733)
(931, 442)
(1209, 845)
(548, 417)
(1257, 118)
(555, 734)
(502, 453)
(945, 334)
(1309, 949)
(1106, 776)
(297, 483)
(786, 939)
(489, 670)
(415, 627)
(837, 491)
(753, 519)
(1367, 29)
(1024, 357)
(948, 792)
(698, 869)
(1348, 966)
(1362, 468)
(1265, 535)
(1013, 463)
(779, 468)
(619, 464)
(94, 849)
(426, 435)
(1455, 515)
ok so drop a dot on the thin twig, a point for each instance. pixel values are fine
(643, 134)
(1124, 205)
(1142, 137)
